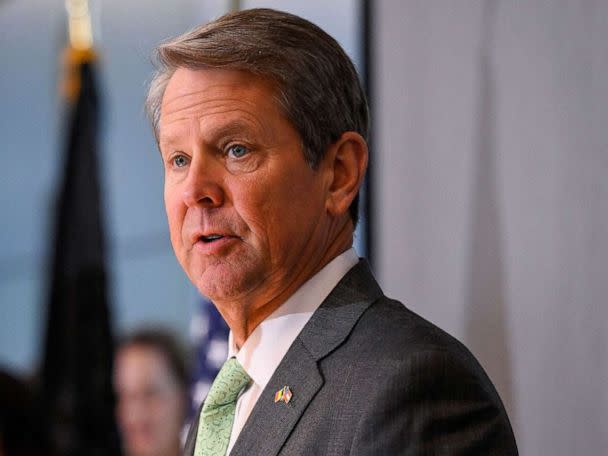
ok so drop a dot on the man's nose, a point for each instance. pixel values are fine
(203, 185)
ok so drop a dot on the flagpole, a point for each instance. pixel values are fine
(235, 5)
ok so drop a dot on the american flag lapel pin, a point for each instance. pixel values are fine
(283, 395)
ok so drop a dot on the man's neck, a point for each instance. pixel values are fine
(244, 317)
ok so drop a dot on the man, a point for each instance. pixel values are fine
(151, 383)
(261, 123)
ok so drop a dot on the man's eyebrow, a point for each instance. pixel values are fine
(167, 140)
(236, 127)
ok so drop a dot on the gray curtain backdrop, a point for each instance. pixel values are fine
(491, 164)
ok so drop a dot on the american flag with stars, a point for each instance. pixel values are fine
(209, 334)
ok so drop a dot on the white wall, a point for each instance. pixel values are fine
(492, 199)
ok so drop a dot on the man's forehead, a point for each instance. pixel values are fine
(212, 82)
(241, 98)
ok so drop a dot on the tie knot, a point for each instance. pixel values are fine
(226, 387)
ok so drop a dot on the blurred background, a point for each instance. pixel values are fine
(487, 203)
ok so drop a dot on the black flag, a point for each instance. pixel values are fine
(76, 378)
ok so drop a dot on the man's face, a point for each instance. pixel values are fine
(245, 210)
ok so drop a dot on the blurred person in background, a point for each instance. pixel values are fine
(151, 383)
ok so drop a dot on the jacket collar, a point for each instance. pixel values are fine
(270, 423)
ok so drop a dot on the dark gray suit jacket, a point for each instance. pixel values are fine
(370, 377)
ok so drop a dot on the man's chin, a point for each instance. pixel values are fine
(223, 284)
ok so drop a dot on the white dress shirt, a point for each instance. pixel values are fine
(264, 349)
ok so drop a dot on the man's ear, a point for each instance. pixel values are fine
(347, 158)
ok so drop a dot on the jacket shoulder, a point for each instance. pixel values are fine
(428, 383)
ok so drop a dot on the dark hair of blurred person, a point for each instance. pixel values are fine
(151, 383)
(19, 432)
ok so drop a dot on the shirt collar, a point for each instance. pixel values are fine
(264, 349)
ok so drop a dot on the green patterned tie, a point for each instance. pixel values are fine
(217, 415)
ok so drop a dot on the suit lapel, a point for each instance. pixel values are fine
(270, 423)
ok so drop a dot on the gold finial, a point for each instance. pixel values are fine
(79, 17)
(80, 49)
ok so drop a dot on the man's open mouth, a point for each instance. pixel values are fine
(211, 238)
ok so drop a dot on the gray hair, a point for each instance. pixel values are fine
(317, 86)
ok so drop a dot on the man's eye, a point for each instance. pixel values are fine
(237, 151)
(180, 161)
